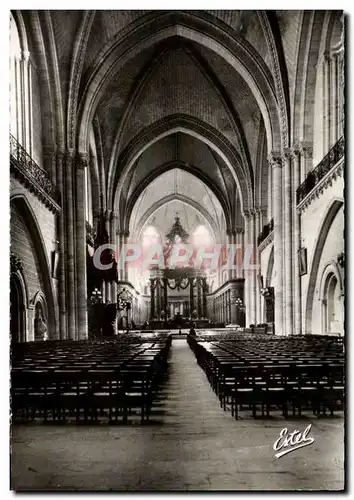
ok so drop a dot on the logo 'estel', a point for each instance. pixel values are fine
(288, 442)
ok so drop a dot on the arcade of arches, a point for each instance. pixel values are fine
(157, 127)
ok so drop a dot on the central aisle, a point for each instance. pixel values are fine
(191, 444)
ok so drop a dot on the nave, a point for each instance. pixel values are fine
(190, 444)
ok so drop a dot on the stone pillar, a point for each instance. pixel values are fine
(62, 248)
(125, 270)
(288, 209)
(165, 298)
(258, 297)
(297, 242)
(276, 165)
(152, 301)
(252, 273)
(191, 296)
(233, 311)
(199, 303)
(70, 232)
(26, 119)
(229, 249)
(204, 290)
(81, 281)
(158, 298)
(334, 97)
(327, 122)
(246, 273)
(113, 234)
(119, 249)
(240, 252)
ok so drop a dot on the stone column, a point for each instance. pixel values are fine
(70, 232)
(81, 281)
(113, 234)
(199, 304)
(125, 270)
(25, 72)
(334, 97)
(288, 208)
(152, 301)
(252, 273)
(297, 242)
(240, 252)
(258, 297)
(276, 165)
(62, 248)
(158, 298)
(119, 249)
(233, 310)
(205, 312)
(246, 273)
(191, 295)
(229, 249)
(327, 122)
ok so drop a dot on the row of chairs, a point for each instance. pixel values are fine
(106, 385)
(254, 375)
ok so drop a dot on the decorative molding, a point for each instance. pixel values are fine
(288, 154)
(277, 74)
(83, 161)
(76, 71)
(267, 241)
(322, 176)
(33, 177)
(267, 230)
(323, 184)
(275, 159)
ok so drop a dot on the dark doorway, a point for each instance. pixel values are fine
(17, 311)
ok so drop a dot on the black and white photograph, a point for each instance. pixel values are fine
(177, 281)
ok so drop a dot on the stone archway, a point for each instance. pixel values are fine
(325, 226)
(332, 305)
(331, 296)
(17, 309)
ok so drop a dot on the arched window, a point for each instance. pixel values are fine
(201, 236)
(15, 82)
(332, 305)
(150, 237)
(20, 90)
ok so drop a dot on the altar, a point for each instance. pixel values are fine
(178, 292)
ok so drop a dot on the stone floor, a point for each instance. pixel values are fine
(191, 444)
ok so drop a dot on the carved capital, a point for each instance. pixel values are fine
(288, 154)
(275, 159)
(60, 154)
(114, 215)
(307, 151)
(82, 160)
(25, 55)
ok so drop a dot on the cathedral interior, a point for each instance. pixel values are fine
(133, 133)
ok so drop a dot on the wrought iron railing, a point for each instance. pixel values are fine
(33, 173)
(267, 229)
(325, 165)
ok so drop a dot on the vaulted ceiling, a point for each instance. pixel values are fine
(205, 92)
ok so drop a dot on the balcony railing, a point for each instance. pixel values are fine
(267, 229)
(319, 172)
(31, 172)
